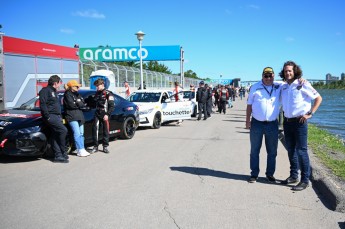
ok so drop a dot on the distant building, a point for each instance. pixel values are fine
(342, 76)
(330, 78)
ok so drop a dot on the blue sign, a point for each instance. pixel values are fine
(132, 53)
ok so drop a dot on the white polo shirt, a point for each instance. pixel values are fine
(296, 98)
(265, 101)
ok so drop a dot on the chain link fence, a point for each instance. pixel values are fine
(153, 80)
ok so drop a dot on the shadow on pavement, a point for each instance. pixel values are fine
(233, 120)
(4, 159)
(209, 172)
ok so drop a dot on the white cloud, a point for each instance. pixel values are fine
(67, 31)
(256, 7)
(289, 39)
(89, 13)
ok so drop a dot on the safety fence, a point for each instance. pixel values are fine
(152, 79)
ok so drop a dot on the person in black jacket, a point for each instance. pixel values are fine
(51, 114)
(104, 107)
(201, 98)
(73, 103)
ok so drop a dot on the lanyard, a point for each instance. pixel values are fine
(270, 93)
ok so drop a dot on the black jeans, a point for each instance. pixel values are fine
(202, 107)
(58, 136)
(100, 124)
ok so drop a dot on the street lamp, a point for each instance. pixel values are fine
(140, 36)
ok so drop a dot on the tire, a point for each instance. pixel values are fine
(157, 121)
(69, 147)
(128, 128)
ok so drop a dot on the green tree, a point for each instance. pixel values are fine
(190, 74)
(157, 67)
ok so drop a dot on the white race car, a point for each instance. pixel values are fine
(191, 96)
(157, 108)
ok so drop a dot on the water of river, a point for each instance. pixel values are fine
(331, 114)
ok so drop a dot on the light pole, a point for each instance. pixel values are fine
(140, 36)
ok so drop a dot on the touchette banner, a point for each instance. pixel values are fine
(132, 53)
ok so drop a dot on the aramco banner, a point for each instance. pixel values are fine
(220, 81)
(132, 53)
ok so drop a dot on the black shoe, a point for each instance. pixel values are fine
(205, 118)
(271, 179)
(65, 156)
(60, 160)
(301, 186)
(290, 180)
(105, 150)
(252, 179)
(94, 149)
(198, 119)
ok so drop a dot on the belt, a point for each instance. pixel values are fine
(296, 119)
(263, 121)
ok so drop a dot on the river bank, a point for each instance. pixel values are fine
(330, 115)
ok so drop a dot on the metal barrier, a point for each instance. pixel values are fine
(131, 75)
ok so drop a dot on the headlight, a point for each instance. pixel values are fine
(27, 130)
(146, 111)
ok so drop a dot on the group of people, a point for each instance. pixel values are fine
(73, 105)
(219, 97)
(294, 95)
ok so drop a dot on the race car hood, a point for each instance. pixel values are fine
(12, 118)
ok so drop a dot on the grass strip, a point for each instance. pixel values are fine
(328, 148)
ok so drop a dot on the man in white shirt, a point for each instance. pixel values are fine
(263, 105)
(296, 100)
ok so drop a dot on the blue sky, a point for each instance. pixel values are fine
(220, 37)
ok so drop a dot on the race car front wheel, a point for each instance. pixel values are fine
(128, 128)
(157, 121)
(69, 146)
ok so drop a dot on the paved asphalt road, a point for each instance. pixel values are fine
(188, 176)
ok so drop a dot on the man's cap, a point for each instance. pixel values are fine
(202, 82)
(73, 83)
(268, 70)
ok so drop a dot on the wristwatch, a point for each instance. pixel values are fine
(310, 113)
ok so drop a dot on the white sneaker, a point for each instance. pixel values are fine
(82, 153)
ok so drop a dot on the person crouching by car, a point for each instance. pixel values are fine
(73, 102)
(51, 114)
(104, 107)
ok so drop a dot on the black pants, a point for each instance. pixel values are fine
(222, 106)
(202, 107)
(58, 135)
(209, 107)
(100, 124)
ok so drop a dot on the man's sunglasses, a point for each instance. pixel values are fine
(266, 76)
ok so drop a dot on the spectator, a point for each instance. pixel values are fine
(127, 89)
(201, 98)
(73, 103)
(296, 100)
(51, 114)
(263, 106)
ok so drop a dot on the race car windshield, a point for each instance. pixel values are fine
(31, 105)
(145, 97)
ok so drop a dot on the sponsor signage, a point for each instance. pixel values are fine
(131, 53)
(221, 81)
(35, 48)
